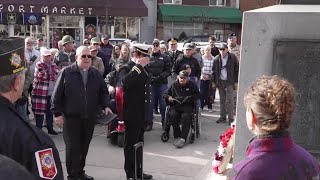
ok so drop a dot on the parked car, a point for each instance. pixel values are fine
(200, 40)
(114, 41)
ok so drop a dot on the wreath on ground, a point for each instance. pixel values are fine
(224, 152)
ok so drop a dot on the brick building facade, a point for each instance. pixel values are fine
(246, 5)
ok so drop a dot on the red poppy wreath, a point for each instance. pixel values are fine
(224, 152)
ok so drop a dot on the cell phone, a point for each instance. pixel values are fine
(33, 58)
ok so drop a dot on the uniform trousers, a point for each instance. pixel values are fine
(77, 135)
(133, 135)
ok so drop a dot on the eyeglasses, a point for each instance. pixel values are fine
(222, 49)
(156, 45)
(94, 50)
(86, 56)
(95, 44)
(29, 43)
(86, 43)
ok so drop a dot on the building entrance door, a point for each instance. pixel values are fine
(56, 34)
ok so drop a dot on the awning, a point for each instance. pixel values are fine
(128, 8)
(59, 7)
(184, 13)
(125, 8)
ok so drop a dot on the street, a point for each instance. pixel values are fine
(165, 162)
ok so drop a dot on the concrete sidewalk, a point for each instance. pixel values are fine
(162, 160)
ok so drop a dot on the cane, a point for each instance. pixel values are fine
(136, 147)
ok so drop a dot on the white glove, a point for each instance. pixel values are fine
(111, 90)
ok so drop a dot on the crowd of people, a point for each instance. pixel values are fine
(73, 86)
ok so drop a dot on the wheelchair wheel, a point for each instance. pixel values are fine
(165, 137)
(198, 128)
(166, 118)
(120, 140)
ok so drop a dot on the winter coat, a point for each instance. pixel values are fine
(72, 99)
(191, 61)
(276, 157)
(232, 67)
(160, 68)
(98, 64)
(20, 140)
(42, 77)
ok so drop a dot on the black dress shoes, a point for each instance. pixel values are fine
(87, 177)
(145, 176)
(220, 120)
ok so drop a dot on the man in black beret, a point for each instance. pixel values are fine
(20, 140)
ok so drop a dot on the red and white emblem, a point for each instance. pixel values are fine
(46, 166)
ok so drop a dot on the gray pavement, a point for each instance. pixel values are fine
(162, 160)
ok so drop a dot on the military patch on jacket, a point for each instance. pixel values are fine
(45, 162)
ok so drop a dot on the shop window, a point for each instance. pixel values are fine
(217, 2)
(172, 2)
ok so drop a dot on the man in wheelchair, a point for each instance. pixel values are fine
(181, 97)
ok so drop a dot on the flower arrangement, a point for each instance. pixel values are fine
(224, 152)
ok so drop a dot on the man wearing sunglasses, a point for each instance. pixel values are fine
(160, 69)
(105, 58)
(79, 92)
(225, 76)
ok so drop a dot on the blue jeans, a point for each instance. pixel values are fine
(49, 116)
(157, 92)
(205, 93)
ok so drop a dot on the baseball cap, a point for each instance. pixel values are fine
(11, 55)
(188, 46)
(45, 52)
(183, 73)
(95, 40)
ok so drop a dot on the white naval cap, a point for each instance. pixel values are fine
(142, 48)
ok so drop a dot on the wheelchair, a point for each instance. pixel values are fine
(194, 130)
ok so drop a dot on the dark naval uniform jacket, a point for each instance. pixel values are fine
(20, 140)
(136, 87)
(174, 55)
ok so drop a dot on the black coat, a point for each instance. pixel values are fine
(159, 68)
(186, 95)
(136, 86)
(20, 140)
(72, 99)
(232, 67)
(191, 61)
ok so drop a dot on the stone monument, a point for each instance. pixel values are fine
(283, 39)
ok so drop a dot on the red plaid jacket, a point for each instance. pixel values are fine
(42, 77)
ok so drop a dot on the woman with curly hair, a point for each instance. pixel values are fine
(272, 154)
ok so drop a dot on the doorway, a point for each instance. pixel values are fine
(56, 34)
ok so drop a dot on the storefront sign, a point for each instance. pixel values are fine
(50, 9)
(203, 19)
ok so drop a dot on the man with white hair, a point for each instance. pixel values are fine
(77, 115)
(32, 56)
